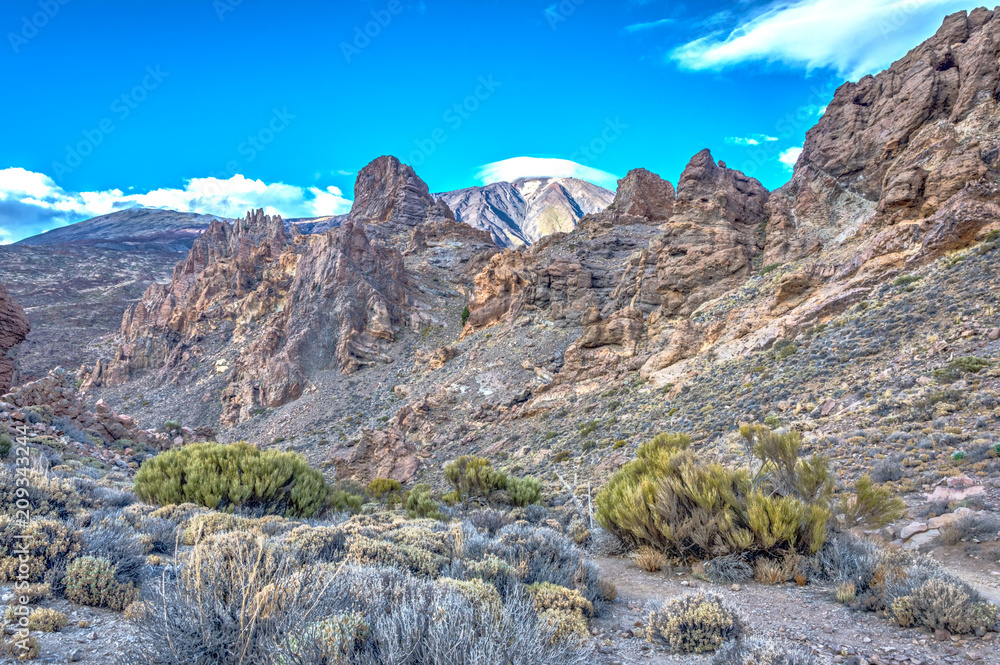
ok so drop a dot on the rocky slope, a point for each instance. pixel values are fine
(74, 296)
(137, 229)
(524, 211)
(14, 328)
(677, 308)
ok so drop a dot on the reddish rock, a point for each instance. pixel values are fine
(379, 454)
(903, 161)
(14, 328)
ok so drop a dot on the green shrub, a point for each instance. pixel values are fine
(474, 477)
(47, 620)
(524, 491)
(670, 500)
(6, 445)
(51, 546)
(694, 624)
(969, 364)
(91, 581)
(871, 505)
(465, 315)
(667, 499)
(381, 489)
(905, 280)
(548, 596)
(420, 503)
(770, 267)
(939, 603)
(340, 500)
(221, 476)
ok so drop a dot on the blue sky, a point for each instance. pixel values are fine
(217, 105)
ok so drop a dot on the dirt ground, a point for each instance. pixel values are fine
(803, 615)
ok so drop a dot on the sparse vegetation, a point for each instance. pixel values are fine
(221, 476)
(694, 624)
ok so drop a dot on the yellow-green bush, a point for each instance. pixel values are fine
(91, 581)
(564, 626)
(694, 624)
(221, 476)
(50, 544)
(938, 603)
(548, 596)
(524, 491)
(419, 502)
(383, 489)
(670, 500)
(870, 505)
(667, 499)
(47, 620)
(20, 647)
(474, 477)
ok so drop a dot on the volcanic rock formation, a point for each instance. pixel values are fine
(13, 329)
(906, 159)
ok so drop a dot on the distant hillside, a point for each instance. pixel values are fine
(521, 212)
(134, 228)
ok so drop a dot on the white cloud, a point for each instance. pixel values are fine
(755, 139)
(540, 167)
(852, 37)
(32, 203)
(789, 157)
(641, 27)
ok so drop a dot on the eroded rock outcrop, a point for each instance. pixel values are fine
(288, 308)
(389, 192)
(381, 453)
(14, 328)
(568, 274)
(57, 396)
(904, 161)
(712, 236)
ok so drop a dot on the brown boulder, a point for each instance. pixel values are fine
(379, 454)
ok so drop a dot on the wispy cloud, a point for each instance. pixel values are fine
(31, 203)
(641, 27)
(852, 37)
(755, 139)
(541, 167)
(789, 157)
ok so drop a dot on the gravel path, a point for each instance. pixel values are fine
(803, 615)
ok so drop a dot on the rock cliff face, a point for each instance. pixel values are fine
(13, 329)
(405, 333)
(287, 306)
(649, 250)
(389, 192)
(524, 211)
(904, 161)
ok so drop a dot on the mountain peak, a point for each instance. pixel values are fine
(390, 192)
(523, 211)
